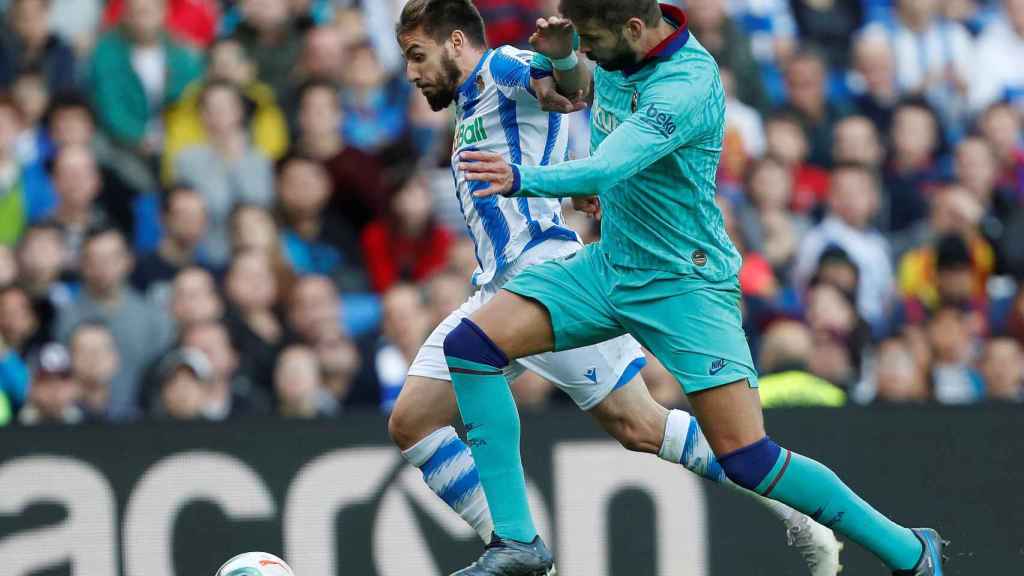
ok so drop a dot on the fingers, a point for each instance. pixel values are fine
(484, 176)
(479, 156)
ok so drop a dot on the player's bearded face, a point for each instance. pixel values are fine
(439, 90)
(611, 54)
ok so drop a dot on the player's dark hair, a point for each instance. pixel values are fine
(612, 12)
(439, 18)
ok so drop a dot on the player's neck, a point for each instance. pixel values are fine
(467, 62)
(654, 36)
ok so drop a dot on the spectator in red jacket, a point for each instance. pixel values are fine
(193, 21)
(408, 244)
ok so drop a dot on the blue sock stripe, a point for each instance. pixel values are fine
(446, 453)
(691, 442)
(456, 491)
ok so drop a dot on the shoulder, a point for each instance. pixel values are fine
(510, 66)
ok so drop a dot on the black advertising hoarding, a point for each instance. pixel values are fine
(336, 499)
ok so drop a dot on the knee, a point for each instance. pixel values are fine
(750, 465)
(407, 425)
(469, 342)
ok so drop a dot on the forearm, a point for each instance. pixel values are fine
(575, 81)
(583, 177)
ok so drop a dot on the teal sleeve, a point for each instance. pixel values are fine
(670, 114)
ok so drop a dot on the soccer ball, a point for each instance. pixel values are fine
(255, 564)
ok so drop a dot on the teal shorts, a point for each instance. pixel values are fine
(694, 327)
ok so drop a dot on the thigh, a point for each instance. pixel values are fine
(590, 374)
(572, 291)
(694, 328)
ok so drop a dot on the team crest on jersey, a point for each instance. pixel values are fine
(636, 101)
(479, 84)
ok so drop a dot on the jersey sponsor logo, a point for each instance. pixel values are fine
(471, 132)
(660, 121)
(591, 375)
(604, 120)
(716, 367)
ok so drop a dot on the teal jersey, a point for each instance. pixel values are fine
(657, 136)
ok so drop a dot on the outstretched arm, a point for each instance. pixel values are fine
(555, 43)
(667, 118)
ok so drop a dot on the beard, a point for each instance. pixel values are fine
(442, 90)
(618, 58)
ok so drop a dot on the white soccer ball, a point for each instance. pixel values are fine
(255, 564)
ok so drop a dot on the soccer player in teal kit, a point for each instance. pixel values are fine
(664, 271)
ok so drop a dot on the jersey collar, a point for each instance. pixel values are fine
(668, 46)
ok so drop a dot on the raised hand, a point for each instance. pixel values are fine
(554, 37)
(487, 167)
(551, 101)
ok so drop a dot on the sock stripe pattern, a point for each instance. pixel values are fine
(451, 474)
(697, 455)
(775, 482)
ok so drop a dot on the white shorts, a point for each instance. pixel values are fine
(588, 375)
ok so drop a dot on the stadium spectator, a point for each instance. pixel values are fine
(806, 101)
(509, 21)
(376, 103)
(265, 121)
(227, 170)
(446, 292)
(773, 36)
(829, 25)
(853, 203)
(54, 392)
(70, 121)
(855, 141)
(41, 261)
(315, 315)
(839, 334)
(78, 183)
(952, 339)
(1000, 49)
(77, 22)
(28, 45)
(184, 225)
(141, 331)
(404, 327)
(744, 132)
(315, 241)
(14, 374)
(253, 228)
(952, 271)
(359, 191)
(229, 392)
(766, 223)
(975, 167)
(24, 197)
(194, 298)
(192, 21)
(898, 376)
(408, 244)
(272, 40)
(912, 169)
(95, 361)
(874, 90)
(786, 142)
(256, 330)
(786, 350)
(136, 70)
(932, 56)
(1002, 369)
(299, 386)
(8, 266)
(730, 46)
(1001, 125)
(183, 377)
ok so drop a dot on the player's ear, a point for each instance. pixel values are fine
(634, 29)
(458, 40)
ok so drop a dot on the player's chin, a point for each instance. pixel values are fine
(438, 100)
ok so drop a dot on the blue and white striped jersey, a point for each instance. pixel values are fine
(497, 111)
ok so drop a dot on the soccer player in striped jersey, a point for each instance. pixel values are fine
(664, 271)
(497, 110)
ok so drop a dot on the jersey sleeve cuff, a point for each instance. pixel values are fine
(517, 181)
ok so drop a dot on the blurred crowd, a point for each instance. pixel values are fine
(218, 208)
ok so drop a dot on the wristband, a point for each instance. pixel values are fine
(567, 63)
